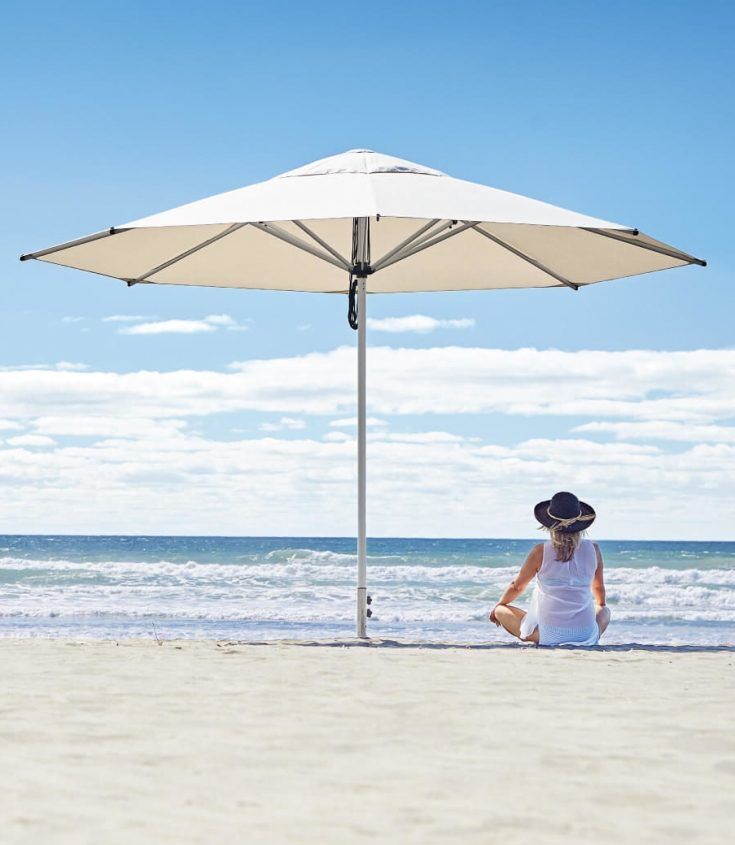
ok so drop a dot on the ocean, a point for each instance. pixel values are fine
(266, 588)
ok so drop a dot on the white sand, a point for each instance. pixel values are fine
(199, 743)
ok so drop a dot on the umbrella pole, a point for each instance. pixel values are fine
(361, 463)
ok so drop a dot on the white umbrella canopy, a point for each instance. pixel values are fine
(481, 237)
(363, 222)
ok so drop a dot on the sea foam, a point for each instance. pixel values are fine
(266, 589)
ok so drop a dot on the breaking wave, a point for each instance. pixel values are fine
(291, 592)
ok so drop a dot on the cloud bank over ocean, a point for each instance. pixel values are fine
(253, 449)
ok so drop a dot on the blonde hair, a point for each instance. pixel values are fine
(565, 543)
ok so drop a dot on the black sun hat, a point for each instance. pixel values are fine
(564, 512)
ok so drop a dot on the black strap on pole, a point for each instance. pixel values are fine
(360, 270)
(352, 315)
(352, 303)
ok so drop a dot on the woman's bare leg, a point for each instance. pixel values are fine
(603, 618)
(510, 618)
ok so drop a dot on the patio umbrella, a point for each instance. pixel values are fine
(362, 222)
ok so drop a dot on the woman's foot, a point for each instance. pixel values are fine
(510, 618)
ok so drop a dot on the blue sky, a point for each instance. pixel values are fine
(113, 112)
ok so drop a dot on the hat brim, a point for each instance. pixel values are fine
(542, 515)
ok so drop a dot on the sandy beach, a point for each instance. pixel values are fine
(194, 742)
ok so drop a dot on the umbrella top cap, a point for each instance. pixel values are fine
(360, 161)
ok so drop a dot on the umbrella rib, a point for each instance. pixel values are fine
(409, 240)
(282, 234)
(304, 228)
(672, 253)
(522, 255)
(180, 257)
(413, 247)
(69, 244)
(430, 240)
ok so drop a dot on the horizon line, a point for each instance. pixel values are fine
(343, 537)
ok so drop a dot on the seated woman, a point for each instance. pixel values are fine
(568, 604)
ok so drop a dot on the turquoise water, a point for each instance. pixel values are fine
(303, 587)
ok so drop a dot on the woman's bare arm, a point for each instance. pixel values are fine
(598, 582)
(518, 585)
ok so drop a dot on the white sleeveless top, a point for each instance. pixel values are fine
(562, 605)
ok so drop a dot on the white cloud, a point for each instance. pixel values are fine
(10, 425)
(125, 318)
(351, 422)
(662, 430)
(30, 440)
(418, 323)
(425, 484)
(220, 320)
(106, 426)
(211, 323)
(337, 437)
(147, 470)
(284, 424)
(63, 366)
(169, 327)
(72, 319)
(419, 437)
(686, 387)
